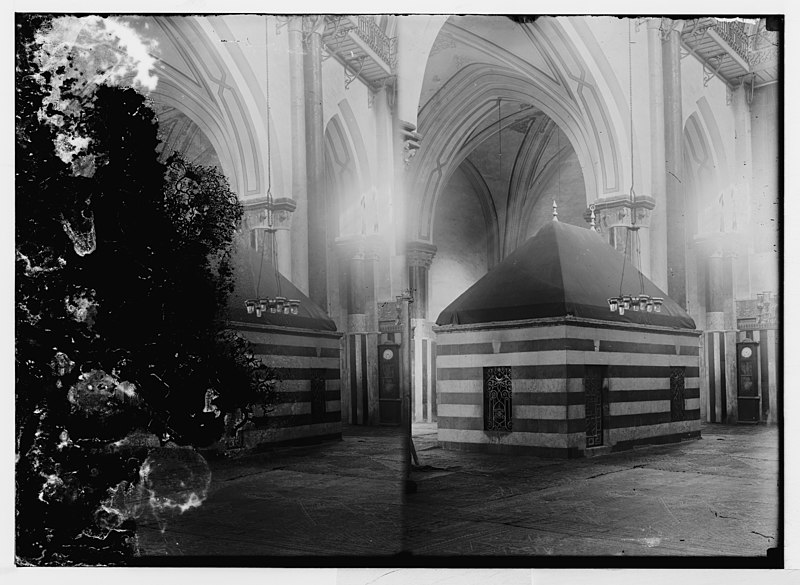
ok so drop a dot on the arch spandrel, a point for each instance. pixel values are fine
(195, 78)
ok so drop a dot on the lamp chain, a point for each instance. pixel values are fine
(640, 302)
(630, 112)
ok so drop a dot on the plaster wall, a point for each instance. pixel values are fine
(459, 234)
(765, 204)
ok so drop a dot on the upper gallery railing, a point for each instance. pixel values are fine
(735, 34)
(385, 47)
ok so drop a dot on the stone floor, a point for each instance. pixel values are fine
(716, 496)
(712, 497)
(339, 498)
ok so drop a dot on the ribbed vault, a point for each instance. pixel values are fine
(467, 102)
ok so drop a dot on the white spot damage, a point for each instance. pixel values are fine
(81, 233)
(78, 54)
(63, 440)
(82, 307)
(172, 480)
(52, 484)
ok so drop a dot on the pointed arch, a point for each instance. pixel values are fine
(709, 121)
(448, 121)
(341, 168)
(702, 176)
(197, 78)
(357, 144)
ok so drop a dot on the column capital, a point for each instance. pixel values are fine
(653, 23)
(313, 24)
(619, 211)
(295, 23)
(669, 26)
(258, 209)
(420, 253)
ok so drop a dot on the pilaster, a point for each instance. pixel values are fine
(299, 236)
(315, 161)
(658, 223)
(716, 251)
(673, 156)
(419, 257)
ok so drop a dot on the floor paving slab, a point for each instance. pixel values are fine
(714, 496)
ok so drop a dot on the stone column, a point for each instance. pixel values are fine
(719, 357)
(299, 235)
(404, 150)
(673, 149)
(407, 102)
(658, 224)
(371, 263)
(739, 191)
(420, 255)
(385, 180)
(354, 378)
(315, 163)
(360, 400)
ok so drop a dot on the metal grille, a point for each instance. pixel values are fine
(317, 398)
(497, 399)
(735, 34)
(593, 388)
(677, 386)
(371, 33)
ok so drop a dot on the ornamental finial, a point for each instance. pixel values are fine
(555, 211)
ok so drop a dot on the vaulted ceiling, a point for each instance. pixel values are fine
(508, 147)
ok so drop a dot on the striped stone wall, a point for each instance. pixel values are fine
(548, 360)
(360, 378)
(423, 401)
(719, 374)
(308, 397)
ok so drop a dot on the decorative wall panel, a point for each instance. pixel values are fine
(497, 407)
(677, 387)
